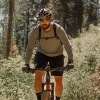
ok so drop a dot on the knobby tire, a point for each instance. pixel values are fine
(45, 95)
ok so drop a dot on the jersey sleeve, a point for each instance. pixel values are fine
(31, 44)
(65, 41)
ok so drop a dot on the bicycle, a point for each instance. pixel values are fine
(47, 86)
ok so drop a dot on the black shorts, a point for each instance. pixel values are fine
(42, 60)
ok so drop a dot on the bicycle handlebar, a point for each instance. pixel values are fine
(32, 70)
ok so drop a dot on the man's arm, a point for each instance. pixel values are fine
(65, 41)
(31, 44)
(68, 47)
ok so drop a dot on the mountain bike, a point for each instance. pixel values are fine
(48, 86)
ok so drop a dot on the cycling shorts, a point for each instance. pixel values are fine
(41, 61)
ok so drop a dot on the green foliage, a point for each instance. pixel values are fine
(79, 87)
(14, 84)
(78, 84)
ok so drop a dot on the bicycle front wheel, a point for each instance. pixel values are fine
(45, 95)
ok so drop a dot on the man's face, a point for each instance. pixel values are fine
(45, 22)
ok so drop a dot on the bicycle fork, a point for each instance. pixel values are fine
(48, 86)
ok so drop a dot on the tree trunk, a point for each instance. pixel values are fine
(9, 33)
(31, 3)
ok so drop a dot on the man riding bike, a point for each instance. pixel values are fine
(49, 48)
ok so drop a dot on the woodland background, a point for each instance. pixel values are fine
(81, 21)
(17, 17)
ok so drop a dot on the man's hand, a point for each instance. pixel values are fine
(26, 68)
(69, 65)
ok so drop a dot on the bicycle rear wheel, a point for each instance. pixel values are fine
(45, 95)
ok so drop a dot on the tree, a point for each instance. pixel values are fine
(9, 32)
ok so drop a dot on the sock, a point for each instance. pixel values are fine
(38, 96)
(57, 98)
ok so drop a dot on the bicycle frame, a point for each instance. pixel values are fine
(48, 86)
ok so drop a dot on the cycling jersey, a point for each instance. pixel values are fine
(47, 45)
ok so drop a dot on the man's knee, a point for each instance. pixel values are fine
(38, 75)
(58, 80)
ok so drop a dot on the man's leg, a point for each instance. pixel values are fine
(59, 87)
(38, 84)
(40, 61)
(56, 62)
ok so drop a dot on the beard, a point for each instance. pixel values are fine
(45, 26)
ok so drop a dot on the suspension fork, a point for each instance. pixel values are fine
(48, 85)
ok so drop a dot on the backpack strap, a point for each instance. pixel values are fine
(54, 27)
(39, 32)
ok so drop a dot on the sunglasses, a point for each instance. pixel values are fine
(44, 19)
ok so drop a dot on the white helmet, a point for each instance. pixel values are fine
(44, 12)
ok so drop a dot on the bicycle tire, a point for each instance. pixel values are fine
(45, 95)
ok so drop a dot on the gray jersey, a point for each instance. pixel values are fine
(46, 45)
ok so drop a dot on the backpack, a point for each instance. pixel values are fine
(54, 28)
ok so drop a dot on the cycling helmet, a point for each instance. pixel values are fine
(44, 12)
